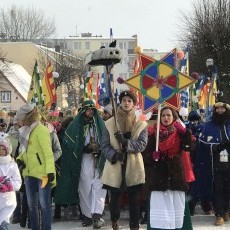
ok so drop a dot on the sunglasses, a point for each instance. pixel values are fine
(2, 125)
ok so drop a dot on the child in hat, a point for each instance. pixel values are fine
(10, 181)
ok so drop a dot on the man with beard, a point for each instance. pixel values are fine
(216, 139)
(79, 181)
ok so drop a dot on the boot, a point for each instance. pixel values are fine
(115, 225)
(98, 222)
(87, 221)
(219, 221)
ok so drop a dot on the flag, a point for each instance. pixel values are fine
(184, 94)
(105, 90)
(111, 35)
(48, 87)
(35, 94)
(88, 86)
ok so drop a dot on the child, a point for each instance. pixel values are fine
(10, 181)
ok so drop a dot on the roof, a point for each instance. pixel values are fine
(22, 53)
(17, 76)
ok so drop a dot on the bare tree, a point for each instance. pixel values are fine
(24, 24)
(207, 30)
(71, 72)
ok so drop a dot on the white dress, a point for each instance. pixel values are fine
(167, 209)
(8, 203)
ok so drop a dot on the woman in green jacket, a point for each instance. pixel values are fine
(37, 161)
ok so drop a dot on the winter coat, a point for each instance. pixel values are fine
(206, 160)
(8, 199)
(164, 174)
(38, 158)
(134, 173)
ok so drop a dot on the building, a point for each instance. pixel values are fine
(14, 87)
(86, 43)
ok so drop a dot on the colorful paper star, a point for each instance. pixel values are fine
(158, 81)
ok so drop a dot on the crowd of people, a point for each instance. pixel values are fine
(91, 159)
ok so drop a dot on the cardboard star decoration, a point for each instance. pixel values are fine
(158, 81)
(171, 59)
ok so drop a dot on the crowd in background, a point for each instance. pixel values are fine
(83, 162)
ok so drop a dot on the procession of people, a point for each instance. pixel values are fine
(95, 157)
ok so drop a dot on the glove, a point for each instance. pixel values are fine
(119, 156)
(120, 138)
(21, 164)
(50, 177)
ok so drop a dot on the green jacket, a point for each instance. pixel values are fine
(39, 157)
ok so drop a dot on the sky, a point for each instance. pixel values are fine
(156, 22)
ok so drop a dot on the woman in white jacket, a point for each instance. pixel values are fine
(10, 181)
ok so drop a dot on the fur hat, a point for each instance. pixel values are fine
(221, 104)
(5, 143)
(129, 94)
(109, 109)
(23, 111)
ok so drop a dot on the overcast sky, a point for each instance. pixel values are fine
(154, 21)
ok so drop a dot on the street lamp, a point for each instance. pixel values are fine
(209, 64)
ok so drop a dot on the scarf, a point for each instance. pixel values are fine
(169, 140)
(125, 120)
(24, 135)
(5, 159)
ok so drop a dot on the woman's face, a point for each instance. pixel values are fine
(166, 117)
(127, 103)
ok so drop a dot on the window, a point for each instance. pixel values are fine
(122, 45)
(77, 45)
(6, 96)
(87, 45)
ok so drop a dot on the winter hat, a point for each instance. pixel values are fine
(129, 94)
(193, 116)
(221, 104)
(87, 104)
(202, 111)
(5, 143)
(24, 111)
(109, 109)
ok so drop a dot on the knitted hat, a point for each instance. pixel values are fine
(128, 94)
(109, 109)
(5, 143)
(24, 111)
(221, 104)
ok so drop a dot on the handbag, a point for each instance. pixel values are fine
(187, 165)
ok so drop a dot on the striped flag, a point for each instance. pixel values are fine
(35, 94)
(48, 86)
